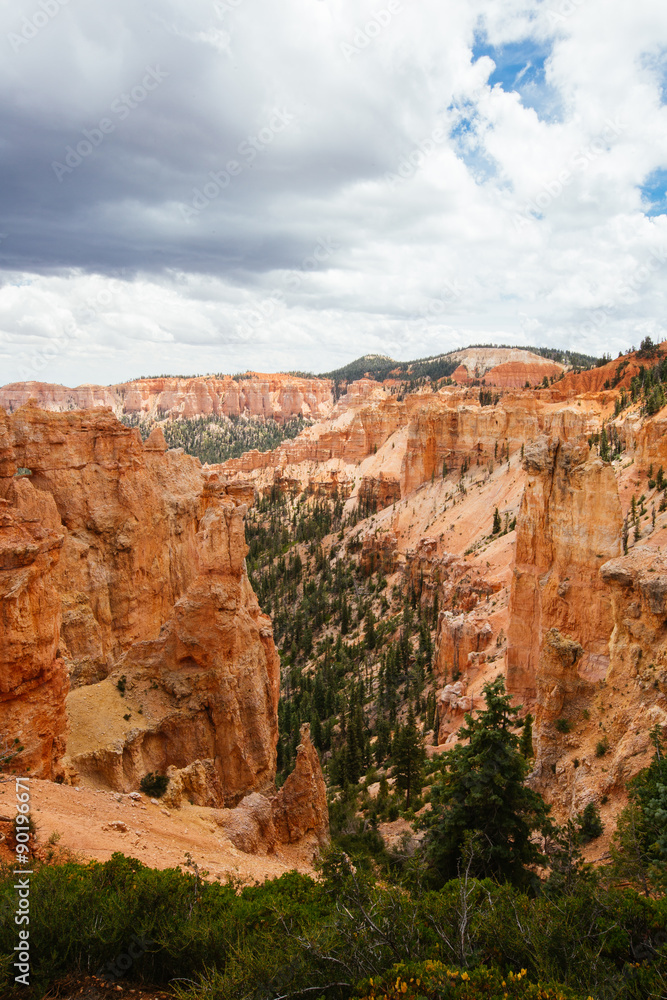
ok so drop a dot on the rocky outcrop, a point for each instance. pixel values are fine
(430, 571)
(300, 807)
(638, 656)
(129, 513)
(450, 428)
(378, 492)
(330, 485)
(569, 524)
(33, 677)
(206, 690)
(461, 640)
(124, 558)
(278, 397)
(250, 826)
(509, 367)
(122, 569)
(379, 553)
(298, 811)
(362, 421)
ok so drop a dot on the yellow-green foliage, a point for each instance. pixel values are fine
(435, 981)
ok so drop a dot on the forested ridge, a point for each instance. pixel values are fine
(214, 439)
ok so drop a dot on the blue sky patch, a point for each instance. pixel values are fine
(654, 193)
(520, 68)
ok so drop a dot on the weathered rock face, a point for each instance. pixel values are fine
(451, 428)
(458, 637)
(206, 690)
(300, 807)
(570, 523)
(151, 586)
(33, 677)
(428, 571)
(129, 513)
(378, 552)
(362, 421)
(638, 656)
(279, 397)
(330, 484)
(505, 367)
(376, 493)
(591, 738)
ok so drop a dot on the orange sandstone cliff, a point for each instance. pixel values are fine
(122, 576)
(254, 395)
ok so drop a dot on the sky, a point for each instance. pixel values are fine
(190, 186)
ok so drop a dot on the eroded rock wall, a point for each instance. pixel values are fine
(569, 524)
(122, 567)
(34, 680)
(279, 397)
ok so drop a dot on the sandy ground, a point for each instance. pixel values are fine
(158, 837)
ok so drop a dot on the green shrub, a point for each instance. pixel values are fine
(154, 784)
(590, 824)
(563, 725)
(601, 747)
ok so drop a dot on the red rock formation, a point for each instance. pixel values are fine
(33, 677)
(330, 484)
(276, 396)
(569, 525)
(300, 807)
(451, 427)
(378, 492)
(458, 636)
(130, 517)
(151, 566)
(378, 553)
(515, 374)
(207, 687)
(508, 368)
(363, 420)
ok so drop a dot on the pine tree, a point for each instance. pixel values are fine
(409, 755)
(639, 845)
(344, 618)
(369, 630)
(526, 745)
(482, 794)
(604, 445)
(497, 523)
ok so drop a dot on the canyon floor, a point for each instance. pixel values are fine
(79, 822)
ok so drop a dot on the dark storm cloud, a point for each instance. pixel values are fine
(311, 180)
(116, 121)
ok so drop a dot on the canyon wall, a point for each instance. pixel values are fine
(587, 642)
(122, 574)
(279, 397)
(448, 428)
(569, 524)
(34, 680)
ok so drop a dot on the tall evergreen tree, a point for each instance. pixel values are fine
(409, 755)
(482, 793)
(526, 745)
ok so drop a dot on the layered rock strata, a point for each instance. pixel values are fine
(34, 680)
(569, 524)
(278, 397)
(122, 572)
